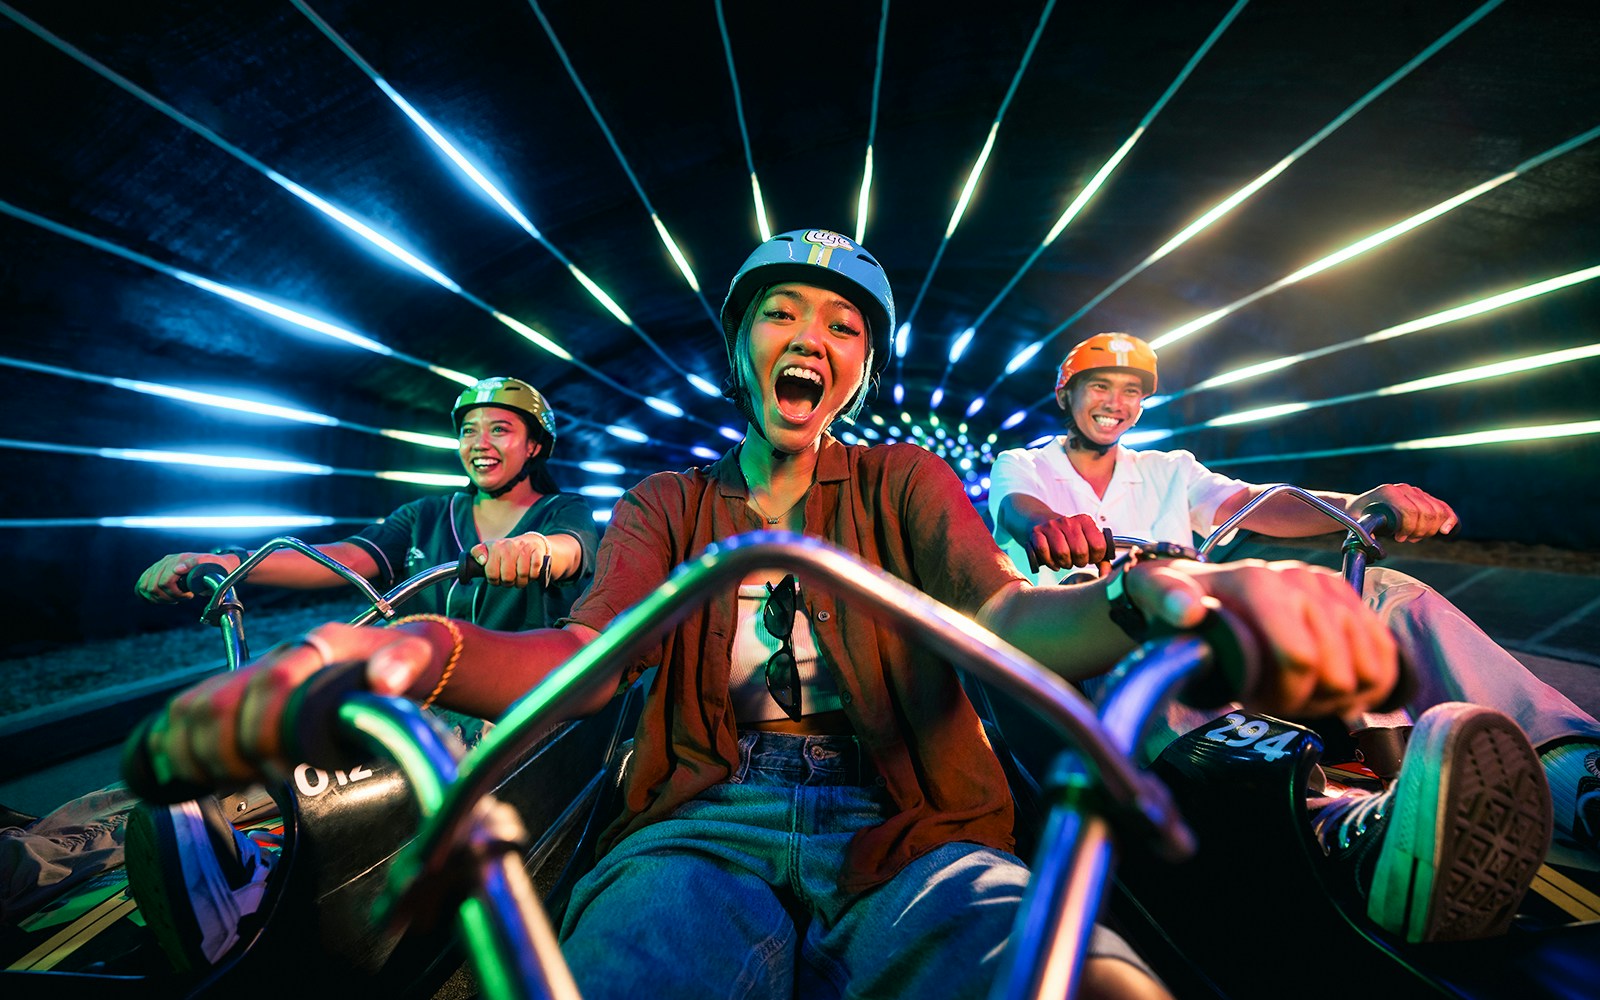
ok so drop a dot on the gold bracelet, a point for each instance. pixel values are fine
(455, 653)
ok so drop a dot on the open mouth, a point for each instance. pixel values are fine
(798, 392)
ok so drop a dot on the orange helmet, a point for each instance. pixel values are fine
(1109, 350)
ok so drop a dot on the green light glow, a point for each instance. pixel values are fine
(1094, 185)
(1498, 369)
(1355, 249)
(761, 208)
(1503, 435)
(861, 202)
(461, 378)
(599, 294)
(1451, 315)
(217, 523)
(972, 180)
(426, 440)
(677, 255)
(537, 338)
(423, 478)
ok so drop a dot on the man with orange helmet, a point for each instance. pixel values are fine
(1053, 507)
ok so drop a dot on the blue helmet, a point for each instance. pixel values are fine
(825, 259)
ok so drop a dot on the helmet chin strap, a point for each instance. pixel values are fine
(1079, 441)
(510, 485)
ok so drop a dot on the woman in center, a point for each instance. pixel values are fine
(812, 808)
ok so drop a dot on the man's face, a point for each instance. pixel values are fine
(1105, 404)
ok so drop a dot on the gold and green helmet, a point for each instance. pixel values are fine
(511, 394)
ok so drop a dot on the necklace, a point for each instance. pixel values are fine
(750, 498)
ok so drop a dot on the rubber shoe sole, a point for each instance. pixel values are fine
(1471, 826)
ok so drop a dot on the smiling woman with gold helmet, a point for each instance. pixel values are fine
(536, 544)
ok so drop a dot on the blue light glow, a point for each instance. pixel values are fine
(937, 397)
(974, 406)
(627, 434)
(704, 385)
(670, 409)
(1013, 420)
(701, 451)
(607, 490)
(902, 340)
(602, 468)
(961, 343)
(731, 434)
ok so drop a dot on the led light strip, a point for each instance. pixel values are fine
(1465, 311)
(744, 130)
(627, 168)
(1501, 435)
(977, 167)
(351, 223)
(1238, 197)
(505, 203)
(210, 522)
(1088, 191)
(1375, 240)
(255, 302)
(1498, 369)
(872, 127)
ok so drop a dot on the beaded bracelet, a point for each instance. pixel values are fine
(455, 652)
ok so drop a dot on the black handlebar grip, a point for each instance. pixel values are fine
(468, 568)
(1236, 658)
(310, 728)
(202, 580)
(142, 776)
(1379, 519)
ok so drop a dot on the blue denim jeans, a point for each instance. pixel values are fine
(736, 894)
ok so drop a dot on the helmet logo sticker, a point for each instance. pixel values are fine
(827, 238)
(1120, 346)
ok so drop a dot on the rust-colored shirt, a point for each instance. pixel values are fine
(896, 506)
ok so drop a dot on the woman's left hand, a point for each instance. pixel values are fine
(513, 562)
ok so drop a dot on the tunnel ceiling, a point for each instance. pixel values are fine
(165, 163)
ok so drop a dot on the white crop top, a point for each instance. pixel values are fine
(753, 645)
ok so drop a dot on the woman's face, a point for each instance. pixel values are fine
(808, 348)
(494, 446)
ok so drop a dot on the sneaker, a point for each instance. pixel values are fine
(194, 877)
(1447, 853)
(1586, 811)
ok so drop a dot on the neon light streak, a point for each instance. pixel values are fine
(961, 343)
(701, 451)
(534, 336)
(1498, 369)
(425, 440)
(1376, 239)
(1134, 439)
(219, 523)
(662, 406)
(365, 231)
(902, 340)
(861, 201)
(761, 208)
(600, 516)
(599, 294)
(1238, 197)
(213, 461)
(601, 490)
(1093, 186)
(1024, 356)
(1441, 318)
(972, 181)
(937, 397)
(872, 126)
(602, 468)
(1503, 435)
(704, 385)
(744, 129)
(1046, 439)
(423, 478)
(627, 434)
(983, 156)
(1013, 420)
(225, 402)
(677, 255)
(731, 434)
(899, 394)
(974, 406)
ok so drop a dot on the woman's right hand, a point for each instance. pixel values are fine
(162, 583)
(226, 730)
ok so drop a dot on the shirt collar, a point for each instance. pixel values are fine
(833, 465)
